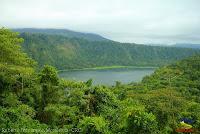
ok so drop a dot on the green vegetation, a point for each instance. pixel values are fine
(39, 100)
(75, 53)
(107, 67)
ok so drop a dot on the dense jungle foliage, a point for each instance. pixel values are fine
(38, 100)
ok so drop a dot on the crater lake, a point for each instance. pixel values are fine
(108, 76)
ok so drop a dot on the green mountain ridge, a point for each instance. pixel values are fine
(63, 32)
(75, 53)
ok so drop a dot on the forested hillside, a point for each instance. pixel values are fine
(67, 53)
(41, 102)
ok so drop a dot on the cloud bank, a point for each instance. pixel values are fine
(140, 21)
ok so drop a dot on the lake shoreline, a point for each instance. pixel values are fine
(108, 67)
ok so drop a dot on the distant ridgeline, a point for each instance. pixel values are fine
(66, 49)
(187, 45)
(63, 32)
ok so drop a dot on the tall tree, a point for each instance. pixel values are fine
(11, 50)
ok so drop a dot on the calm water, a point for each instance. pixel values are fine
(108, 76)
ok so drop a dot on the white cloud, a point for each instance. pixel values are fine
(140, 21)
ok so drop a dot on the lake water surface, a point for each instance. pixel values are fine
(108, 76)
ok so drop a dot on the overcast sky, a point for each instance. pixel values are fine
(139, 21)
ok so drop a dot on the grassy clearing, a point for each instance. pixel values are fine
(107, 67)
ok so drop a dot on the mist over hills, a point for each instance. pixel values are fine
(187, 45)
(137, 72)
(178, 45)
